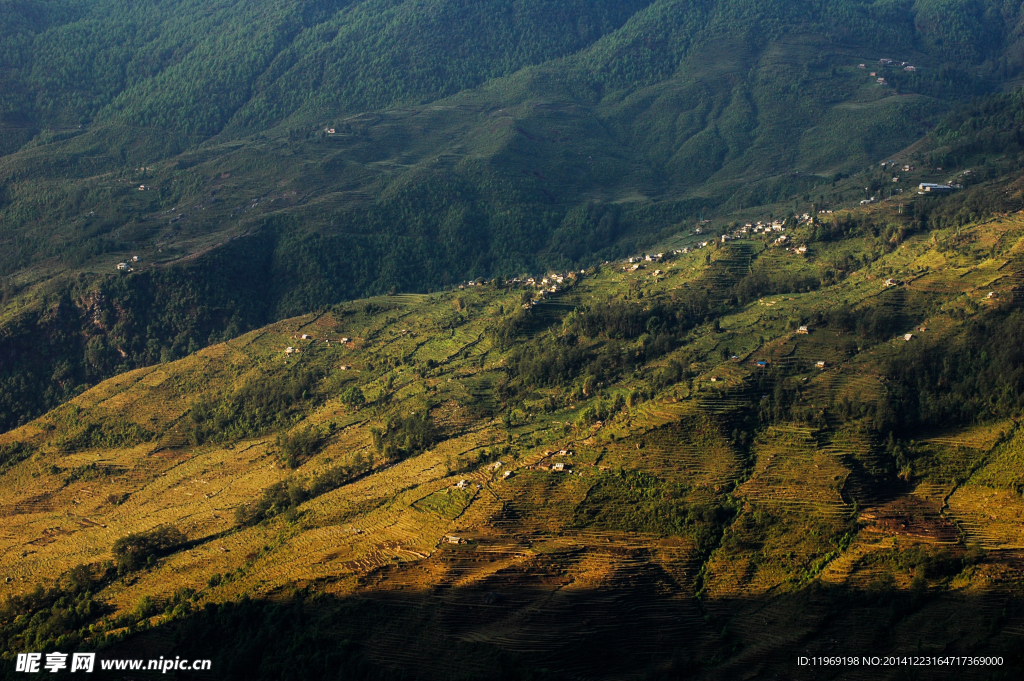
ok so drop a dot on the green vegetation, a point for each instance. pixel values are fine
(670, 436)
(971, 378)
(633, 501)
(13, 452)
(289, 640)
(276, 499)
(79, 431)
(354, 397)
(257, 407)
(299, 446)
(405, 436)
(630, 469)
(141, 549)
(286, 496)
(58, 616)
(541, 136)
(448, 503)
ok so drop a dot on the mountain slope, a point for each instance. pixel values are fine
(470, 140)
(678, 462)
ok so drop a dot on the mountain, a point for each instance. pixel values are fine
(328, 346)
(703, 465)
(470, 140)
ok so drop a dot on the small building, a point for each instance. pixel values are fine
(891, 282)
(801, 250)
(496, 465)
(932, 188)
(452, 539)
(122, 265)
(143, 187)
(820, 364)
(803, 330)
(506, 475)
(761, 363)
(289, 350)
(560, 466)
(135, 258)
(714, 379)
(908, 336)
(462, 484)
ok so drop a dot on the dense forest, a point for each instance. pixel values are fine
(469, 140)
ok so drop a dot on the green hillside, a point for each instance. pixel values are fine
(702, 466)
(470, 140)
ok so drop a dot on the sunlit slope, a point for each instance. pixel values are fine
(646, 458)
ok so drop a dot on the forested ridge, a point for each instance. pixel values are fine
(469, 140)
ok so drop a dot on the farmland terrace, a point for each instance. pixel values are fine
(639, 475)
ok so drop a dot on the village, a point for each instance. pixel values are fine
(125, 266)
(550, 284)
(885, 62)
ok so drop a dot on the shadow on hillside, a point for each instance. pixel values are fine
(642, 630)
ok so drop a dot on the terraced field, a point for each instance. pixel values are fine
(714, 508)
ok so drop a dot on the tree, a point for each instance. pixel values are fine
(354, 397)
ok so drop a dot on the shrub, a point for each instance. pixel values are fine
(299, 446)
(354, 397)
(276, 499)
(406, 436)
(136, 550)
